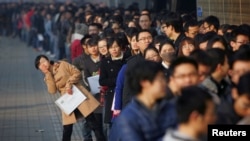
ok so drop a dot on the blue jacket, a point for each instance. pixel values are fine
(119, 88)
(138, 123)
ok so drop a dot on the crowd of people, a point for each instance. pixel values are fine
(163, 76)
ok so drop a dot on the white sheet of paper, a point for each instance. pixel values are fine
(94, 84)
(68, 103)
(113, 103)
(40, 37)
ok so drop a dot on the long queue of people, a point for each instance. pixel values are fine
(163, 76)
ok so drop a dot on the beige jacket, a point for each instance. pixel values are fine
(62, 76)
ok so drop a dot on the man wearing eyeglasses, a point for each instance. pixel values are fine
(171, 26)
(143, 38)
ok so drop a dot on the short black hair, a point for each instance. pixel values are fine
(217, 38)
(190, 23)
(213, 20)
(243, 54)
(160, 39)
(201, 38)
(99, 26)
(166, 41)
(142, 70)
(218, 57)
(179, 61)
(110, 42)
(201, 57)
(243, 85)
(131, 31)
(85, 37)
(192, 98)
(150, 47)
(173, 19)
(224, 28)
(124, 40)
(93, 41)
(238, 31)
(141, 31)
(108, 32)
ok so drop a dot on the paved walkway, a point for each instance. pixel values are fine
(27, 111)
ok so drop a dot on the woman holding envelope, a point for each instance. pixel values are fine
(61, 76)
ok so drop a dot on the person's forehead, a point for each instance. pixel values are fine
(42, 59)
(150, 52)
(242, 36)
(144, 34)
(241, 64)
(193, 27)
(92, 26)
(167, 46)
(115, 25)
(144, 17)
(185, 68)
(102, 42)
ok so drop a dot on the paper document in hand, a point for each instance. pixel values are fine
(94, 84)
(68, 103)
(40, 37)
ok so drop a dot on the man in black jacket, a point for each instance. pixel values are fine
(143, 38)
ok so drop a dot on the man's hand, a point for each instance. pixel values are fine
(116, 112)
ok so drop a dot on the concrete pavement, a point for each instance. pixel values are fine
(27, 111)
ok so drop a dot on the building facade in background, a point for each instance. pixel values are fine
(229, 11)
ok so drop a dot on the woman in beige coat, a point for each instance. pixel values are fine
(60, 76)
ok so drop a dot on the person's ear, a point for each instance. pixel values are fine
(144, 83)
(219, 68)
(171, 27)
(232, 44)
(195, 116)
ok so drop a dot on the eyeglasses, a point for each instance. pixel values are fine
(149, 38)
